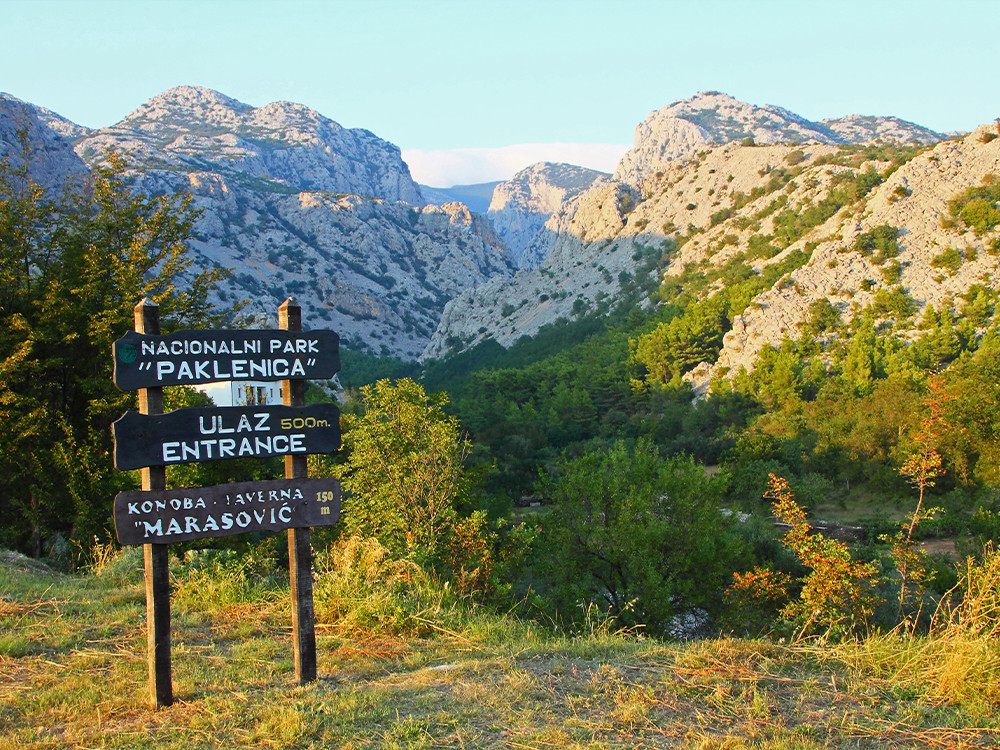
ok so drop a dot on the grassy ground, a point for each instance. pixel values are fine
(73, 674)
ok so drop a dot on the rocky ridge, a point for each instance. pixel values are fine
(295, 205)
(52, 161)
(722, 202)
(680, 130)
(521, 206)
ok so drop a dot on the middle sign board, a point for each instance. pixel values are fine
(215, 433)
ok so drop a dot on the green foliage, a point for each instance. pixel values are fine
(72, 267)
(676, 346)
(821, 317)
(879, 243)
(404, 473)
(979, 206)
(950, 260)
(639, 536)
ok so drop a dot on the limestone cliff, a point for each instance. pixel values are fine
(521, 206)
(680, 130)
(292, 205)
(50, 156)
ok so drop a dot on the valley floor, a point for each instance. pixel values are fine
(73, 674)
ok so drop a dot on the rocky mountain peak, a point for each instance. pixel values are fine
(521, 205)
(868, 129)
(191, 104)
(281, 145)
(711, 118)
(681, 129)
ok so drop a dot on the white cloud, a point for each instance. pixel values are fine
(468, 166)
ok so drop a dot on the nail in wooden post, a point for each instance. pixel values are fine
(154, 556)
(299, 545)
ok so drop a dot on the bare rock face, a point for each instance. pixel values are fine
(50, 157)
(582, 268)
(523, 204)
(868, 129)
(197, 129)
(678, 131)
(711, 118)
(291, 204)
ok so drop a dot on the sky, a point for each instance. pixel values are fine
(470, 89)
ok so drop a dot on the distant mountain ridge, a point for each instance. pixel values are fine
(296, 205)
(711, 118)
(476, 196)
(521, 206)
(194, 129)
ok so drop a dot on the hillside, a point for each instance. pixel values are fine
(293, 205)
(523, 204)
(804, 213)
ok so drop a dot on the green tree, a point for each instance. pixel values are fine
(72, 267)
(635, 534)
(404, 472)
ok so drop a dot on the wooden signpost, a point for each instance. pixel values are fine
(210, 434)
(154, 516)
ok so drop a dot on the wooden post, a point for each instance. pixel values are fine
(299, 545)
(154, 556)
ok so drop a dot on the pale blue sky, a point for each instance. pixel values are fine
(453, 74)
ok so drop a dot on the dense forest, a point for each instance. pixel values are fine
(575, 469)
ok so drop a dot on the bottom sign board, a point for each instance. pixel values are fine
(166, 516)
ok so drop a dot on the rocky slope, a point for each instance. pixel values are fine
(730, 207)
(52, 160)
(913, 199)
(189, 129)
(522, 204)
(868, 129)
(295, 205)
(680, 130)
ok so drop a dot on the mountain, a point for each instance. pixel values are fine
(521, 206)
(477, 197)
(799, 219)
(53, 161)
(296, 205)
(869, 129)
(680, 130)
(188, 129)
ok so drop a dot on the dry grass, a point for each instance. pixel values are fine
(76, 678)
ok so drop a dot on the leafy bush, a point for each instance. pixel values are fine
(637, 535)
(879, 243)
(979, 206)
(950, 259)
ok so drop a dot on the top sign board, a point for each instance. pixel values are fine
(192, 357)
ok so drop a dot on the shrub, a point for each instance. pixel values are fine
(636, 535)
(879, 243)
(795, 157)
(836, 596)
(979, 206)
(950, 259)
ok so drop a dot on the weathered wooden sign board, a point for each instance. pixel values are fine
(166, 516)
(150, 440)
(193, 357)
(216, 433)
